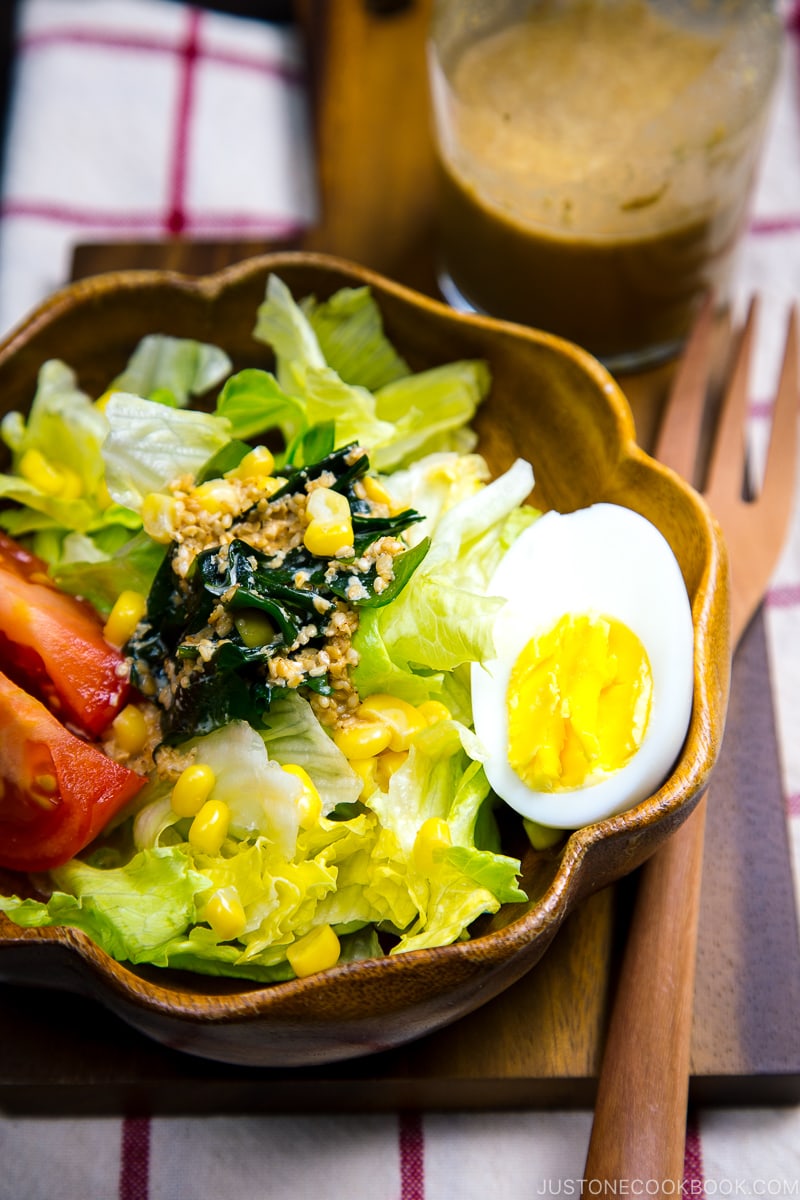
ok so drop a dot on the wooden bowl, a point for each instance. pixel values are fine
(550, 403)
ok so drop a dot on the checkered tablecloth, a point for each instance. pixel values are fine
(143, 118)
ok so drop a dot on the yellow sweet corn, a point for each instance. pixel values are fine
(376, 492)
(39, 471)
(129, 608)
(209, 829)
(259, 462)
(49, 477)
(310, 802)
(130, 729)
(433, 710)
(362, 739)
(216, 496)
(330, 526)
(433, 835)
(192, 788)
(316, 951)
(403, 719)
(225, 914)
(158, 516)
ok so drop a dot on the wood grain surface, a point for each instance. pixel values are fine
(540, 1043)
(536, 1046)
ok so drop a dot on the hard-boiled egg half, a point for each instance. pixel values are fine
(585, 707)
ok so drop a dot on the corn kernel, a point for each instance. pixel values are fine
(309, 804)
(362, 739)
(225, 914)
(433, 710)
(386, 764)
(192, 788)
(42, 473)
(366, 769)
(376, 492)
(259, 462)
(433, 835)
(254, 627)
(215, 496)
(330, 527)
(209, 829)
(158, 516)
(316, 951)
(326, 541)
(130, 729)
(129, 608)
(403, 719)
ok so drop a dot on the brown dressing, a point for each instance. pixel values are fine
(596, 170)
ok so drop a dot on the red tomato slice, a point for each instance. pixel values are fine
(57, 792)
(53, 645)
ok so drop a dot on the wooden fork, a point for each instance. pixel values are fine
(639, 1127)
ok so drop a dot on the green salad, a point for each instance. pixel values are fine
(295, 580)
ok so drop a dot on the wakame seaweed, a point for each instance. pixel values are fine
(232, 681)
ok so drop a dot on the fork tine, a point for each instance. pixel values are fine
(679, 435)
(779, 470)
(726, 466)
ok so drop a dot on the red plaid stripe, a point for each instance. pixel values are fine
(412, 1157)
(134, 1169)
(693, 1181)
(190, 50)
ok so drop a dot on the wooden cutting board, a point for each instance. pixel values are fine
(539, 1045)
(536, 1046)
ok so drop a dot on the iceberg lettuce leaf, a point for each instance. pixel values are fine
(349, 330)
(172, 370)
(443, 617)
(428, 407)
(149, 445)
(99, 572)
(131, 911)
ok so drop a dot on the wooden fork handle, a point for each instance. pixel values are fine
(639, 1128)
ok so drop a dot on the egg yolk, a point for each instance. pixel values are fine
(578, 703)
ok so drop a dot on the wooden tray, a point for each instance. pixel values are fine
(539, 1045)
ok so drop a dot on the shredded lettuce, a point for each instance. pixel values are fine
(150, 444)
(67, 432)
(349, 331)
(405, 416)
(443, 618)
(172, 370)
(132, 912)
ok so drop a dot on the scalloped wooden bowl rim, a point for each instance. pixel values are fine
(672, 802)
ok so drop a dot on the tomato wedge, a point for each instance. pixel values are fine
(56, 791)
(52, 644)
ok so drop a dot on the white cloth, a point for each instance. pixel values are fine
(120, 127)
(117, 130)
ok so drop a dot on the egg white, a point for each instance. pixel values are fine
(604, 560)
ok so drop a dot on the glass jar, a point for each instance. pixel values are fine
(596, 159)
